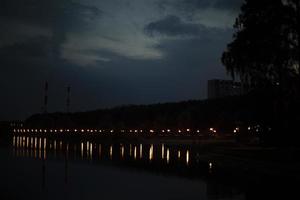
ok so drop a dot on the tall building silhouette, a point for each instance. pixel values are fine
(217, 88)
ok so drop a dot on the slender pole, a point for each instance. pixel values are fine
(46, 97)
(68, 98)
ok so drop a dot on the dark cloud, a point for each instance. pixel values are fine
(35, 47)
(218, 4)
(24, 18)
(192, 5)
(229, 4)
(45, 12)
(172, 26)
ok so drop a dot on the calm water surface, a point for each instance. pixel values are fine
(42, 168)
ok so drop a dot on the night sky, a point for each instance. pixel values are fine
(111, 52)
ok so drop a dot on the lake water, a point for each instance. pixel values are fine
(43, 168)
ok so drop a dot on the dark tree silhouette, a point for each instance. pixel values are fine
(264, 53)
(265, 49)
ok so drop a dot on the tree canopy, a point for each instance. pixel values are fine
(265, 46)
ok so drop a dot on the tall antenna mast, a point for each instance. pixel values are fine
(68, 98)
(46, 97)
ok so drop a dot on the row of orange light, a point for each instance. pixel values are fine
(99, 131)
(256, 128)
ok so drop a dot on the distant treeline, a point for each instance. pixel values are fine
(223, 113)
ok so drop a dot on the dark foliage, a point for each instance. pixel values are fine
(265, 49)
(223, 114)
(264, 53)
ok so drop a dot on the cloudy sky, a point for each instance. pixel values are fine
(111, 52)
